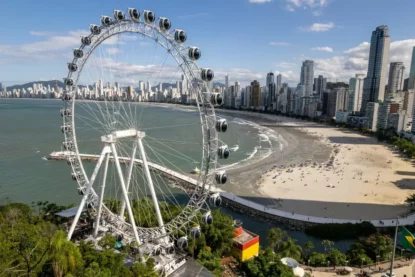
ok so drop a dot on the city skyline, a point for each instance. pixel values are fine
(338, 47)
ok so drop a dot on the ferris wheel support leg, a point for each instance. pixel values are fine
(150, 185)
(130, 171)
(101, 197)
(124, 191)
(88, 190)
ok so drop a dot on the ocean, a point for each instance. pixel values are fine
(30, 130)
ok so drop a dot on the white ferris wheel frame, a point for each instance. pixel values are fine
(207, 118)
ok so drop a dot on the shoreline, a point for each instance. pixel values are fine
(381, 197)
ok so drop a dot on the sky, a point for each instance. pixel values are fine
(242, 38)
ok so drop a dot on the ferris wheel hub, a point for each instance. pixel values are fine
(129, 133)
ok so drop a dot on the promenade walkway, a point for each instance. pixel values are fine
(409, 220)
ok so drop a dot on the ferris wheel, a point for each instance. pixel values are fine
(128, 156)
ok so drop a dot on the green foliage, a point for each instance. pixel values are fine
(65, 255)
(356, 253)
(219, 234)
(336, 257)
(210, 261)
(266, 264)
(318, 259)
(108, 242)
(144, 270)
(404, 145)
(341, 231)
(308, 247)
(25, 240)
(290, 249)
(328, 245)
(275, 237)
(378, 244)
(410, 199)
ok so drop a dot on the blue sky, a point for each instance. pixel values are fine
(245, 38)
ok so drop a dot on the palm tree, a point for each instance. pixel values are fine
(290, 249)
(275, 237)
(66, 256)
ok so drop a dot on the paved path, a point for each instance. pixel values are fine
(410, 220)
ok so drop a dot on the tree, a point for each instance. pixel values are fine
(290, 249)
(410, 199)
(66, 257)
(27, 239)
(328, 245)
(144, 270)
(266, 265)
(308, 247)
(108, 242)
(336, 257)
(356, 253)
(318, 259)
(211, 262)
(378, 244)
(275, 237)
(219, 234)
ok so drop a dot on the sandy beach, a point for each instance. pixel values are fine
(343, 174)
(360, 170)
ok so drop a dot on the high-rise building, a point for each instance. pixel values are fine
(248, 91)
(355, 93)
(307, 76)
(374, 84)
(411, 81)
(337, 101)
(279, 80)
(271, 89)
(255, 94)
(320, 84)
(372, 112)
(395, 82)
(383, 115)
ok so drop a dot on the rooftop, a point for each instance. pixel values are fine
(245, 237)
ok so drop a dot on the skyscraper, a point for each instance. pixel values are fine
(279, 80)
(255, 94)
(355, 93)
(321, 85)
(270, 89)
(374, 84)
(395, 81)
(411, 81)
(307, 76)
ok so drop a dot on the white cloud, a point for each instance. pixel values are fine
(324, 49)
(289, 76)
(112, 51)
(317, 13)
(259, 1)
(40, 34)
(318, 27)
(242, 75)
(286, 64)
(290, 8)
(274, 43)
(355, 60)
(314, 5)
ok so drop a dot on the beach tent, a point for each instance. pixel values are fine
(69, 212)
(290, 262)
(298, 271)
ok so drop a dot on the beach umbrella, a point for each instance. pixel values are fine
(298, 271)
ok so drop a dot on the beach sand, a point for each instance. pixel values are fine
(363, 171)
(367, 180)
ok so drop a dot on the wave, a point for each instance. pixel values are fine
(44, 158)
(235, 148)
